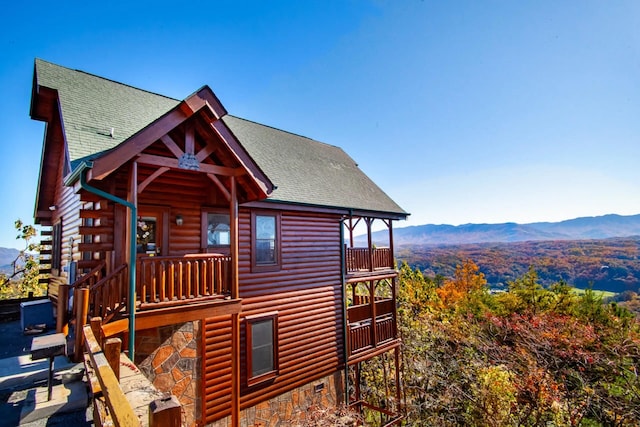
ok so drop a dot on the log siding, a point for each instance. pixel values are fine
(307, 294)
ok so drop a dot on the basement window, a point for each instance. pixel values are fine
(262, 347)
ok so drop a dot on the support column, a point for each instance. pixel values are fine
(131, 255)
(235, 317)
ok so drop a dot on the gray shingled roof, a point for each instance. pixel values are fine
(305, 171)
(92, 106)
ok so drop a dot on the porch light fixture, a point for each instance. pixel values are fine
(179, 220)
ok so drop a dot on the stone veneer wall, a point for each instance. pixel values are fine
(293, 407)
(169, 357)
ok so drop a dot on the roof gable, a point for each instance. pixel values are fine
(109, 123)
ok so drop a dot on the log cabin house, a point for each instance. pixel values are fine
(222, 248)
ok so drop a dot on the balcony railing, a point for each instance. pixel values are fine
(365, 259)
(173, 280)
(362, 335)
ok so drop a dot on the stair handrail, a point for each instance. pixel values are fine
(106, 278)
(94, 289)
(95, 271)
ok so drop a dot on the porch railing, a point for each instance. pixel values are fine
(172, 280)
(365, 259)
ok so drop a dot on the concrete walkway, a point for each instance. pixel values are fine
(23, 385)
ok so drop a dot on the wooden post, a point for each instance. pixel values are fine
(111, 350)
(369, 221)
(400, 407)
(391, 258)
(62, 324)
(81, 297)
(165, 412)
(96, 328)
(235, 318)
(374, 321)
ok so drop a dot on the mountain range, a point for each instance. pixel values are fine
(598, 227)
(7, 256)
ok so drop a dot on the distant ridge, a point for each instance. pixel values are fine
(598, 227)
(7, 256)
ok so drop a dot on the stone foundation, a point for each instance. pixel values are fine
(169, 357)
(294, 407)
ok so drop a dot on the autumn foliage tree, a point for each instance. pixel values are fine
(531, 356)
(23, 278)
(467, 285)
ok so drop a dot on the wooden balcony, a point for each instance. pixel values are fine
(162, 282)
(175, 280)
(365, 260)
(371, 326)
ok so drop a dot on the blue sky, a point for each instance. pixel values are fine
(463, 112)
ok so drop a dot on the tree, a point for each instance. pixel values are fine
(467, 286)
(23, 278)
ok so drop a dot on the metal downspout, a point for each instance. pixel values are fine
(345, 349)
(132, 254)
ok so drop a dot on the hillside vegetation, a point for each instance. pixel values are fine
(530, 356)
(607, 264)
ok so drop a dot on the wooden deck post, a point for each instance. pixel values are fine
(82, 310)
(369, 221)
(165, 412)
(111, 350)
(62, 324)
(96, 328)
(374, 320)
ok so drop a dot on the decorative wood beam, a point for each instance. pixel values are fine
(150, 159)
(221, 187)
(189, 140)
(204, 153)
(151, 178)
(171, 145)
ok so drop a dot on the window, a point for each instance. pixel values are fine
(216, 232)
(56, 247)
(146, 234)
(266, 241)
(262, 348)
